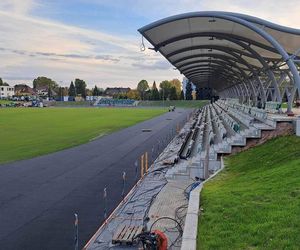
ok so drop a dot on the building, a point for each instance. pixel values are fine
(24, 90)
(42, 91)
(6, 91)
(116, 91)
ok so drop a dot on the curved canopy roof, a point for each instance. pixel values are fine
(221, 48)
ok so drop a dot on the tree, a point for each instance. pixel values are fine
(43, 81)
(181, 95)
(61, 93)
(65, 91)
(188, 91)
(142, 87)
(3, 83)
(100, 91)
(165, 88)
(80, 87)
(154, 92)
(89, 92)
(49, 92)
(95, 91)
(133, 94)
(177, 84)
(173, 93)
(72, 90)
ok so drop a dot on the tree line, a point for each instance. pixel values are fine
(167, 89)
(170, 90)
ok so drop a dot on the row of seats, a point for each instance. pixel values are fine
(223, 123)
(219, 127)
(115, 102)
(245, 118)
(209, 128)
(248, 111)
(223, 111)
(273, 107)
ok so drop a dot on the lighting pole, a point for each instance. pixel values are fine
(163, 97)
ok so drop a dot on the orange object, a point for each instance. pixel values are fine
(162, 240)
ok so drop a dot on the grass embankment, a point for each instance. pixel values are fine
(29, 132)
(255, 202)
(179, 104)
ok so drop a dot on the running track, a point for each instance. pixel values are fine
(39, 196)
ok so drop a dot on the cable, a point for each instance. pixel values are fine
(178, 226)
(192, 186)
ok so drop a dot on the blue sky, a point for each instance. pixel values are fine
(112, 18)
(97, 40)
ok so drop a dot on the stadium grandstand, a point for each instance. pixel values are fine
(252, 65)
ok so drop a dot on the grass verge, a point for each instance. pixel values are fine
(255, 202)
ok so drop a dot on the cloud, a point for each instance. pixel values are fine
(31, 46)
(157, 65)
(18, 7)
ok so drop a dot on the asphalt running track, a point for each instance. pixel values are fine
(39, 196)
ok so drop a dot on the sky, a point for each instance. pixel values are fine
(98, 41)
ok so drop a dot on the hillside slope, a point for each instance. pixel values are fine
(255, 202)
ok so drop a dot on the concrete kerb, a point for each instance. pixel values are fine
(189, 237)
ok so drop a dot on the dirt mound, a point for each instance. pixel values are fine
(283, 128)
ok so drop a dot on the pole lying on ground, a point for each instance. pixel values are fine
(152, 153)
(76, 232)
(124, 180)
(142, 166)
(146, 162)
(105, 202)
(136, 170)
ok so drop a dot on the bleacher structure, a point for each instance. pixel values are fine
(110, 102)
(216, 129)
(249, 63)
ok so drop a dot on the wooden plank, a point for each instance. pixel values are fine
(118, 235)
(125, 234)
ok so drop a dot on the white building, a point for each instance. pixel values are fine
(6, 91)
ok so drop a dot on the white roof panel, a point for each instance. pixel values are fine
(186, 38)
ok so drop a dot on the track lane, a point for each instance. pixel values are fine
(38, 197)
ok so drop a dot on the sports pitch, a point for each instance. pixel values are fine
(29, 132)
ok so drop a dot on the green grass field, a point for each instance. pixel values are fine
(29, 132)
(179, 104)
(255, 202)
(5, 102)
